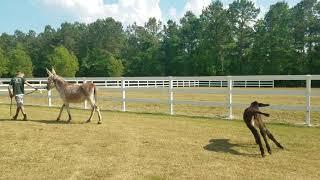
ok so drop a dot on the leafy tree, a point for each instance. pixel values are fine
(72, 36)
(242, 15)
(169, 48)
(306, 27)
(64, 62)
(142, 52)
(106, 34)
(47, 41)
(7, 42)
(19, 60)
(215, 40)
(272, 50)
(114, 66)
(3, 63)
(189, 44)
(103, 63)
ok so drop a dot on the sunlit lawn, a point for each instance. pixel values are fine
(146, 146)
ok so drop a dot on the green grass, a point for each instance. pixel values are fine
(146, 146)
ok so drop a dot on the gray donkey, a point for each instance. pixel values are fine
(252, 118)
(73, 93)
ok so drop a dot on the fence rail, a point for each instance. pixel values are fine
(180, 85)
(156, 82)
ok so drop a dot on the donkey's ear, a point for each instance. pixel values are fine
(49, 73)
(53, 71)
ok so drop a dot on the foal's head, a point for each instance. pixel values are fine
(256, 104)
(51, 79)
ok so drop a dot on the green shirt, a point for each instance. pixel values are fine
(17, 84)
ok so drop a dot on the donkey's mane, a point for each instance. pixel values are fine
(60, 79)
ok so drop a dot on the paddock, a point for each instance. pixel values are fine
(222, 97)
(193, 102)
(149, 146)
(167, 132)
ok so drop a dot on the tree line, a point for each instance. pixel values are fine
(221, 41)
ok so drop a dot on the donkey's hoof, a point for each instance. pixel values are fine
(270, 152)
(88, 121)
(58, 119)
(99, 122)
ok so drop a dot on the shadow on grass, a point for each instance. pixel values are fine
(224, 146)
(43, 121)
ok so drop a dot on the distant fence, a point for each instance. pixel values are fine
(154, 82)
(182, 84)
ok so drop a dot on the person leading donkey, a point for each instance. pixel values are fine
(17, 85)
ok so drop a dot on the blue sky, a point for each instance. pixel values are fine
(35, 14)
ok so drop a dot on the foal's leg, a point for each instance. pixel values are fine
(273, 139)
(61, 109)
(257, 138)
(263, 133)
(68, 110)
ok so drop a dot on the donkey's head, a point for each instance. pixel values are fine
(51, 79)
(256, 104)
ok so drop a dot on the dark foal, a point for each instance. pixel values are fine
(252, 117)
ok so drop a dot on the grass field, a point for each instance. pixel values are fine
(146, 146)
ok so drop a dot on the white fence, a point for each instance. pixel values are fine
(174, 84)
(154, 82)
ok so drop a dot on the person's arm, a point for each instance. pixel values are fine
(28, 84)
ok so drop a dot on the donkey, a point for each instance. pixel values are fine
(252, 117)
(73, 93)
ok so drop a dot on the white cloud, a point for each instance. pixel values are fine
(196, 6)
(126, 11)
(173, 14)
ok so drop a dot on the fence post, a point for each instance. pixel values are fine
(49, 98)
(123, 86)
(273, 84)
(171, 95)
(230, 85)
(85, 102)
(308, 104)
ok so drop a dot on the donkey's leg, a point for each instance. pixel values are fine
(90, 100)
(91, 114)
(61, 109)
(273, 139)
(257, 138)
(263, 133)
(99, 114)
(68, 110)
(94, 107)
